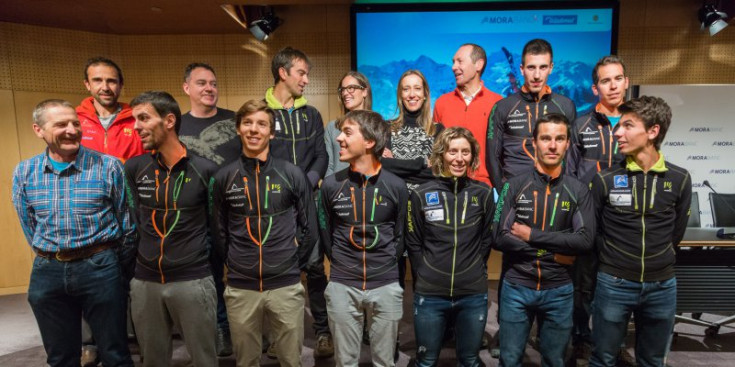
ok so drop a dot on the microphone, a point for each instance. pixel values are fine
(706, 183)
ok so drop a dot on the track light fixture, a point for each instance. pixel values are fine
(712, 18)
(261, 21)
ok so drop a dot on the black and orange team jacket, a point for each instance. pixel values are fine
(560, 213)
(594, 147)
(172, 211)
(448, 236)
(641, 218)
(361, 224)
(266, 222)
(510, 131)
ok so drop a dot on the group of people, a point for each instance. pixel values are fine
(143, 202)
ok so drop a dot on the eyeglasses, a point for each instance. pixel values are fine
(350, 88)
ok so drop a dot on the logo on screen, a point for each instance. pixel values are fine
(560, 19)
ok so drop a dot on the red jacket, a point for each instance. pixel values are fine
(119, 140)
(451, 110)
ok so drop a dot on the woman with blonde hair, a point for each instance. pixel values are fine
(412, 132)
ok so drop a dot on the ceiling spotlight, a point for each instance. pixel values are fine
(712, 19)
(263, 27)
(261, 21)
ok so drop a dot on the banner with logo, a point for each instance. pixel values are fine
(701, 137)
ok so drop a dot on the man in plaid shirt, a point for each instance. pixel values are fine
(71, 204)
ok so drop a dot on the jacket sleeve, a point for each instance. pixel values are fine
(24, 210)
(399, 230)
(571, 113)
(573, 158)
(598, 191)
(682, 208)
(405, 168)
(220, 235)
(414, 229)
(305, 212)
(436, 117)
(487, 236)
(125, 210)
(505, 214)
(325, 221)
(580, 239)
(318, 167)
(494, 147)
(330, 140)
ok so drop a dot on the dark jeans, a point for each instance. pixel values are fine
(653, 305)
(433, 314)
(553, 311)
(61, 292)
(218, 273)
(316, 283)
(585, 278)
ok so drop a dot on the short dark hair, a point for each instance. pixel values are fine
(607, 60)
(40, 109)
(252, 106)
(441, 145)
(477, 53)
(652, 111)
(104, 61)
(372, 127)
(194, 65)
(552, 118)
(284, 59)
(537, 46)
(162, 102)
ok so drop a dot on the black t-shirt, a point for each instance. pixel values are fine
(214, 138)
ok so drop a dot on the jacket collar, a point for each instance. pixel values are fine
(250, 164)
(659, 166)
(546, 179)
(546, 91)
(273, 103)
(448, 182)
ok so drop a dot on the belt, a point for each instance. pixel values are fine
(75, 254)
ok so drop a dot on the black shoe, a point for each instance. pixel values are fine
(223, 343)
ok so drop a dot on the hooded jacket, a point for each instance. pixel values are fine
(265, 219)
(593, 146)
(560, 213)
(510, 131)
(641, 218)
(299, 137)
(172, 211)
(119, 140)
(448, 236)
(361, 222)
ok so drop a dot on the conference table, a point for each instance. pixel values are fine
(705, 276)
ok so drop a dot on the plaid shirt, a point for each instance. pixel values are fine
(81, 206)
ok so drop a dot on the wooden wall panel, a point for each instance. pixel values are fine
(15, 264)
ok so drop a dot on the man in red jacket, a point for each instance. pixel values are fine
(107, 125)
(470, 104)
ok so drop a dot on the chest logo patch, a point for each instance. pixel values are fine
(434, 215)
(621, 199)
(620, 181)
(432, 198)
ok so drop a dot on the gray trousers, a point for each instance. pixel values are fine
(190, 306)
(348, 306)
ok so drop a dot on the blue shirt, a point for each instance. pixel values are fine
(81, 206)
(613, 120)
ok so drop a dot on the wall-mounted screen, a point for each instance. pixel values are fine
(389, 39)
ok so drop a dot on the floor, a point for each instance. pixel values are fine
(20, 342)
